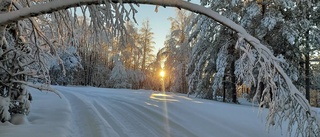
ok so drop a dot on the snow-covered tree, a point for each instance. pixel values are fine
(28, 44)
(71, 61)
(177, 51)
(22, 59)
(119, 77)
(307, 33)
(132, 51)
(135, 77)
(202, 65)
(146, 42)
(264, 20)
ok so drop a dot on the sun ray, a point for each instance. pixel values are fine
(165, 108)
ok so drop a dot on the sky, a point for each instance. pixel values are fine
(158, 21)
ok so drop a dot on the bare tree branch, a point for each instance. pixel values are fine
(40, 87)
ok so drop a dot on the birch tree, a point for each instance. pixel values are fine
(146, 42)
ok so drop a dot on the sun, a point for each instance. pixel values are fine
(162, 73)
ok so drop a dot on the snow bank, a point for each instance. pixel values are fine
(50, 116)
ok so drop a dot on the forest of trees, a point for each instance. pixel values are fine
(200, 62)
(201, 57)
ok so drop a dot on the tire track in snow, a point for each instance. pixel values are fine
(141, 120)
(87, 121)
(119, 127)
(127, 117)
(131, 114)
(126, 120)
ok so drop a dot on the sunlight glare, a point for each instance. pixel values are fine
(163, 97)
(162, 73)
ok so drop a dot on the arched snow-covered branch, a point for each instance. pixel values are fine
(262, 50)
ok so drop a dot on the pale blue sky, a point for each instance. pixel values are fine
(158, 21)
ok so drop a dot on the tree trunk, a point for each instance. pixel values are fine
(224, 88)
(261, 86)
(307, 67)
(144, 56)
(233, 82)
(184, 82)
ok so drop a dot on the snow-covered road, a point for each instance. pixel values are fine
(139, 113)
(99, 112)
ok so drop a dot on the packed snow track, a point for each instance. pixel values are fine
(101, 112)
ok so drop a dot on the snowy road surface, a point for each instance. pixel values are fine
(98, 112)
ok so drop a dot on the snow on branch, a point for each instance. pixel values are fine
(41, 34)
(284, 101)
(40, 87)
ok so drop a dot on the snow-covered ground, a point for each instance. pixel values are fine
(100, 112)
